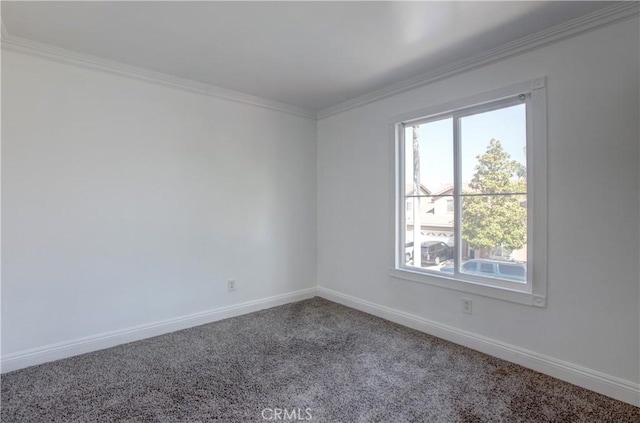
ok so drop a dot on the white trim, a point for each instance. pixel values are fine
(607, 16)
(614, 387)
(465, 102)
(450, 282)
(60, 350)
(537, 229)
(22, 45)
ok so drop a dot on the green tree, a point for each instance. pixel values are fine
(491, 221)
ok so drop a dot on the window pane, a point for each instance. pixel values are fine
(433, 166)
(493, 151)
(494, 236)
(429, 216)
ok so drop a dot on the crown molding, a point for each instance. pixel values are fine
(607, 16)
(23, 45)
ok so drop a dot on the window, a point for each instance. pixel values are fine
(449, 206)
(483, 161)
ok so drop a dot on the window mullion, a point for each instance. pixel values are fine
(400, 251)
(457, 190)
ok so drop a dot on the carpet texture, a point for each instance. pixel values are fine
(314, 359)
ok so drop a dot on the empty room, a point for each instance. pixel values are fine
(320, 211)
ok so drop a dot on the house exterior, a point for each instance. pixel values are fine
(436, 214)
(437, 221)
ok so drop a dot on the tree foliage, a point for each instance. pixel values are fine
(491, 221)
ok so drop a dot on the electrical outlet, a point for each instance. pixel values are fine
(231, 285)
(466, 305)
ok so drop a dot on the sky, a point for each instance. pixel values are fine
(436, 144)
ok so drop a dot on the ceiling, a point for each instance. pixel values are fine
(311, 55)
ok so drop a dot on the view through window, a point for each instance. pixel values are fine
(465, 189)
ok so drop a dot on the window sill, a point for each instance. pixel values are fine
(450, 282)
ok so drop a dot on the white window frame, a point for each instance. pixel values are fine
(534, 291)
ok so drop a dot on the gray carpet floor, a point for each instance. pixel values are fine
(313, 358)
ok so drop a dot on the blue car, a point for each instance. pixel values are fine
(492, 268)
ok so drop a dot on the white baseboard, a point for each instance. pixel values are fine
(610, 386)
(87, 344)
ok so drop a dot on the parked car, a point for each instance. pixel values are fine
(435, 252)
(493, 268)
(408, 252)
(447, 269)
(496, 269)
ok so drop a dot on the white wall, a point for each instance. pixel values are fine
(125, 203)
(593, 312)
